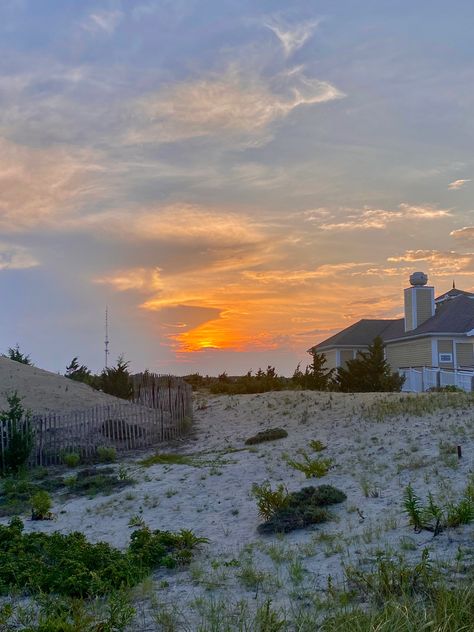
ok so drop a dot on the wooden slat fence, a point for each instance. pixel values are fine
(162, 410)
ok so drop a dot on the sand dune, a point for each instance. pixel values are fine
(43, 391)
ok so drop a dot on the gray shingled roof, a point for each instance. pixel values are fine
(452, 317)
(452, 294)
(363, 333)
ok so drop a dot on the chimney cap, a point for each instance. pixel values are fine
(418, 278)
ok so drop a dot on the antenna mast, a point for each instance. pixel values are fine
(106, 336)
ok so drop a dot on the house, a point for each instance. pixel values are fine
(432, 344)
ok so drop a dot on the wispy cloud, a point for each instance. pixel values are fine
(466, 234)
(458, 184)
(292, 37)
(39, 187)
(378, 219)
(441, 262)
(105, 21)
(233, 104)
(13, 257)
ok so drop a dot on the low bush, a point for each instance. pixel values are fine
(106, 454)
(71, 459)
(41, 504)
(270, 434)
(302, 509)
(311, 468)
(69, 565)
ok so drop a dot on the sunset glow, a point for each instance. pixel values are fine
(235, 181)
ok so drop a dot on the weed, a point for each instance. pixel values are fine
(71, 459)
(270, 501)
(311, 468)
(317, 446)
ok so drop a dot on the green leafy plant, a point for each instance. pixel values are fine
(311, 468)
(270, 434)
(15, 427)
(302, 509)
(270, 501)
(106, 454)
(41, 504)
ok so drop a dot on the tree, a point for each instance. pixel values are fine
(77, 372)
(369, 372)
(316, 377)
(17, 434)
(116, 380)
(16, 355)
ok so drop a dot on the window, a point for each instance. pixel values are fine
(445, 357)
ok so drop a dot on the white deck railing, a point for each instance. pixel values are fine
(420, 379)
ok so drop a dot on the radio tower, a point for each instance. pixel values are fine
(106, 336)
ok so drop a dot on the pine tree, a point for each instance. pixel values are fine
(316, 376)
(77, 372)
(116, 380)
(16, 355)
(369, 372)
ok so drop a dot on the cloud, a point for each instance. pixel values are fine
(233, 105)
(138, 279)
(466, 234)
(378, 219)
(39, 187)
(441, 262)
(105, 21)
(183, 224)
(288, 277)
(457, 184)
(13, 257)
(292, 38)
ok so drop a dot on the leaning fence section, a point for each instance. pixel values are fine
(161, 411)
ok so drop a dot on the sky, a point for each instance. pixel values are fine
(236, 180)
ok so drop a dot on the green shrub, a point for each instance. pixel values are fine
(302, 509)
(269, 501)
(106, 454)
(70, 565)
(15, 426)
(267, 435)
(311, 468)
(41, 504)
(71, 459)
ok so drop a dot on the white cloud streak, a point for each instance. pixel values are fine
(292, 38)
(458, 184)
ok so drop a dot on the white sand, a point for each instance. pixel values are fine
(215, 501)
(42, 391)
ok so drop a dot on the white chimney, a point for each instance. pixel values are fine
(419, 301)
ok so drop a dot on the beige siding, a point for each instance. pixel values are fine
(410, 353)
(445, 346)
(464, 354)
(424, 304)
(408, 309)
(330, 359)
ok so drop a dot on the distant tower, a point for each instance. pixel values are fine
(106, 336)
